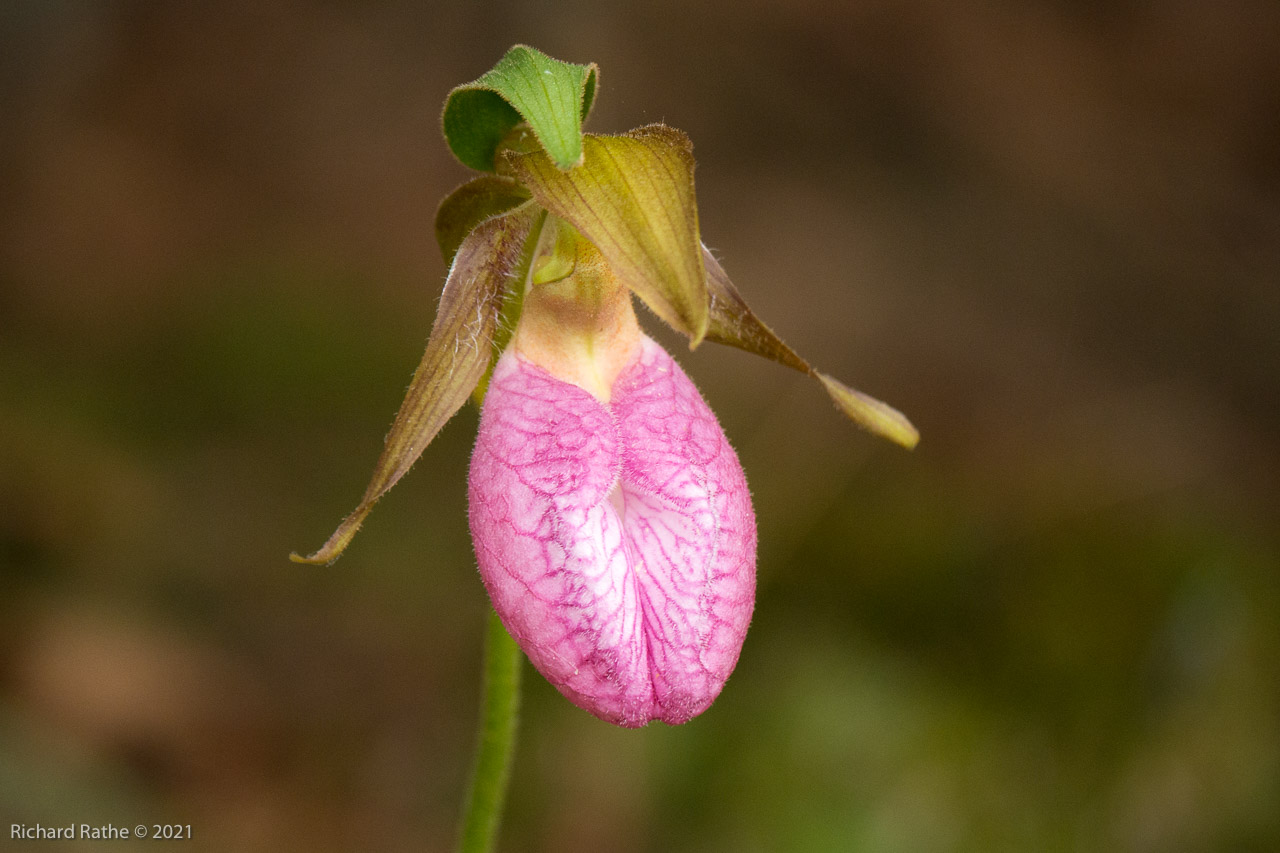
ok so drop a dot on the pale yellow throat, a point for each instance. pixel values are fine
(577, 322)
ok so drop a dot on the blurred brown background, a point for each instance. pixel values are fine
(1048, 230)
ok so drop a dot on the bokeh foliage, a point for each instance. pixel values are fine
(1052, 230)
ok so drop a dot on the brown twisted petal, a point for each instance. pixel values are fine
(457, 354)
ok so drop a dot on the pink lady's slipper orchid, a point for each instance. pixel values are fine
(611, 519)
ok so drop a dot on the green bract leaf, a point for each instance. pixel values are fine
(553, 97)
(633, 198)
(458, 352)
(733, 322)
(472, 203)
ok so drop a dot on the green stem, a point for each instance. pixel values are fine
(495, 744)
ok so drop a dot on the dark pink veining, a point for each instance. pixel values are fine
(617, 542)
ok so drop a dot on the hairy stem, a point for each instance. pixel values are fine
(495, 742)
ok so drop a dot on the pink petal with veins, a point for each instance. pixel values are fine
(617, 541)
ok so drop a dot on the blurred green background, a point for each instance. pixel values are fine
(1049, 231)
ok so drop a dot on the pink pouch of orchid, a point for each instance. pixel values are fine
(616, 540)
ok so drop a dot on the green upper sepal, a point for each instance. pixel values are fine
(526, 85)
(633, 198)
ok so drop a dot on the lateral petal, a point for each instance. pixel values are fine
(457, 354)
(732, 322)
